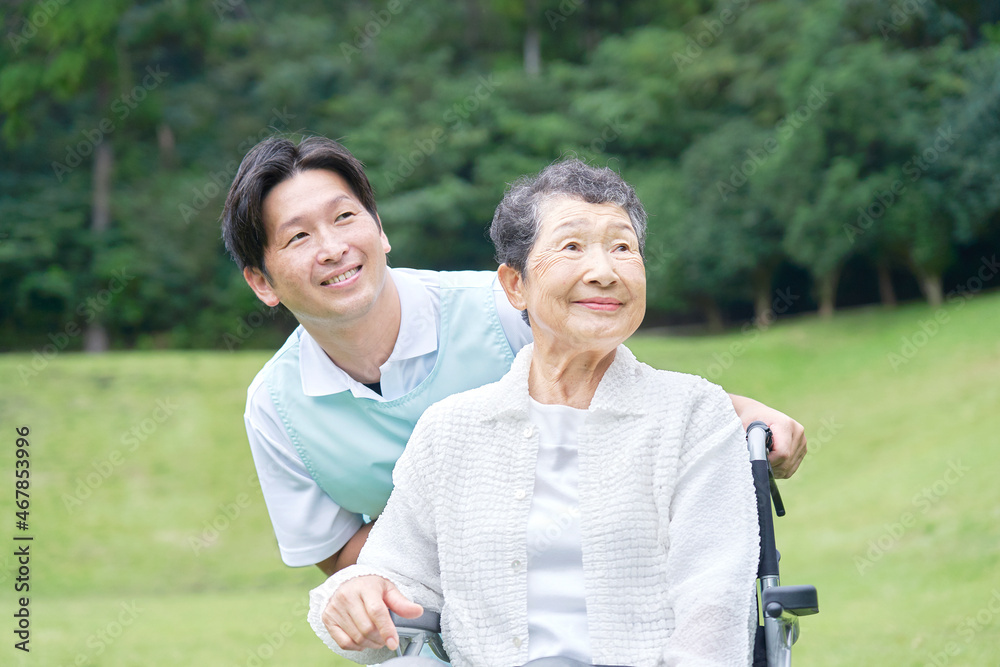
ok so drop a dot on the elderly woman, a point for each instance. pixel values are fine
(586, 505)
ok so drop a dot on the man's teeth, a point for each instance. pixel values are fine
(342, 277)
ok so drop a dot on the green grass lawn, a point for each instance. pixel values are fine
(894, 516)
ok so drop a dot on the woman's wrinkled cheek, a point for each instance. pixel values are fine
(540, 264)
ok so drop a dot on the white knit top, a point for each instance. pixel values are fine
(668, 521)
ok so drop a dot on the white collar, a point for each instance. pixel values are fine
(418, 335)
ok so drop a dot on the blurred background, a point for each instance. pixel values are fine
(823, 184)
(848, 150)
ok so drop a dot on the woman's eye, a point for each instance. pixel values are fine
(300, 235)
(622, 246)
(571, 246)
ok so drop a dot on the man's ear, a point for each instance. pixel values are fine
(261, 286)
(385, 239)
(512, 283)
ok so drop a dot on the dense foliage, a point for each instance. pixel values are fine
(790, 154)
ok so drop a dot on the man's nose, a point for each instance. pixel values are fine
(331, 247)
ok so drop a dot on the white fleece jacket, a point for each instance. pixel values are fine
(667, 511)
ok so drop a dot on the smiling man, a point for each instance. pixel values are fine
(328, 416)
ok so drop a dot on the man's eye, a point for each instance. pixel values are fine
(300, 235)
(345, 215)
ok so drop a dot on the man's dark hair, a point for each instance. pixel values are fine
(268, 163)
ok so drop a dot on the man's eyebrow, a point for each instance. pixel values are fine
(298, 218)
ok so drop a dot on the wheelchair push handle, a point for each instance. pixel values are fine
(758, 443)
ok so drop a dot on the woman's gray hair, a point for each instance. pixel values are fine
(518, 216)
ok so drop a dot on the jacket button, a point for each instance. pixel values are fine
(517, 642)
(529, 431)
(515, 565)
(519, 494)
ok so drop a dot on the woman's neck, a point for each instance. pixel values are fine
(566, 377)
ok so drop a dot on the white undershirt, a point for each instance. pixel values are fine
(557, 607)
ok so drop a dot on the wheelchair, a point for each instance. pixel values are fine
(782, 606)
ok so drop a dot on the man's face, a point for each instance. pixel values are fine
(325, 253)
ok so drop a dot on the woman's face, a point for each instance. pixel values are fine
(585, 283)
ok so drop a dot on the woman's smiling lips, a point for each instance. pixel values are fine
(600, 303)
(342, 279)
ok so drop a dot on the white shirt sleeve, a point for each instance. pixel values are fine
(309, 525)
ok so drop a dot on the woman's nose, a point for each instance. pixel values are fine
(601, 269)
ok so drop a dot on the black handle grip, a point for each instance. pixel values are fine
(768, 566)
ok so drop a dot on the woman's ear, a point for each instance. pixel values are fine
(513, 286)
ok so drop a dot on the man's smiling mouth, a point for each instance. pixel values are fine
(342, 277)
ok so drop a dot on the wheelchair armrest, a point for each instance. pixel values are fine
(429, 621)
(795, 600)
(424, 630)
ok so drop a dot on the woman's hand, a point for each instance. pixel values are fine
(357, 616)
(789, 436)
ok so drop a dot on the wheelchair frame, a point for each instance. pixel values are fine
(782, 605)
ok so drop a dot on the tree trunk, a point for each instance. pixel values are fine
(167, 144)
(713, 314)
(95, 337)
(762, 301)
(532, 40)
(473, 23)
(931, 286)
(827, 287)
(101, 208)
(887, 293)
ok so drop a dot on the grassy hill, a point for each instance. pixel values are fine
(152, 544)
